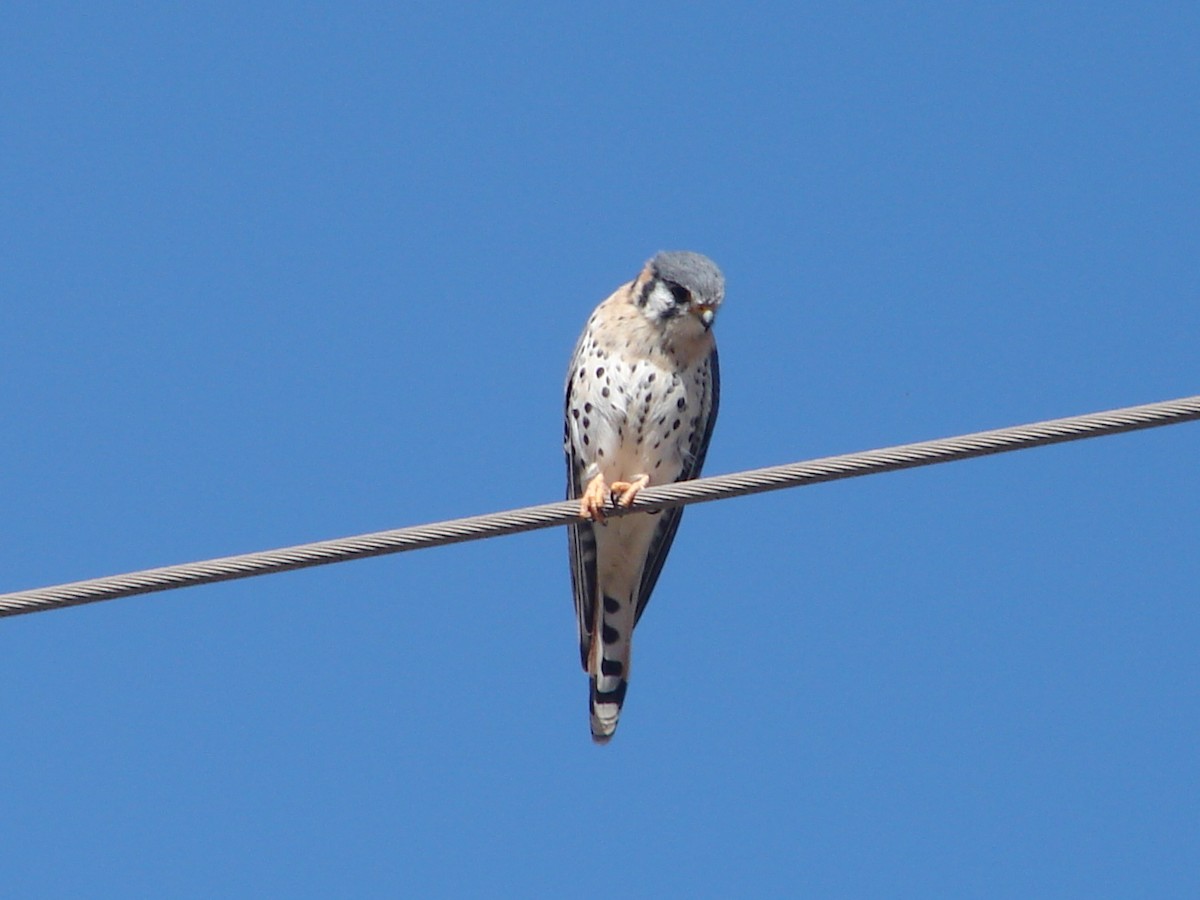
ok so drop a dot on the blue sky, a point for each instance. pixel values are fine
(281, 272)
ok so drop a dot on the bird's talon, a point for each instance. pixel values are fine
(625, 492)
(591, 504)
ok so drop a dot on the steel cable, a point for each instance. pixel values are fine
(831, 468)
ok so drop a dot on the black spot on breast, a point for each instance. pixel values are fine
(609, 634)
(611, 604)
(587, 407)
(575, 413)
(587, 423)
(600, 452)
(674, 425)
(599, 371)
(586, 440)
(650, 377)
(681, 403)
(604, 392)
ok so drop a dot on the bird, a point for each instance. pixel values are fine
(642, 393)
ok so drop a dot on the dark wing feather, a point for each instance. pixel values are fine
(668, 523)
(581, 544)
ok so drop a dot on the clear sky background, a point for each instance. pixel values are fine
(273, 273)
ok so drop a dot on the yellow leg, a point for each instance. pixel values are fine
(625, 492)
(591, 504)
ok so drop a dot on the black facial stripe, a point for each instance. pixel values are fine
(647, 288)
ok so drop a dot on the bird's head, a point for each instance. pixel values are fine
(680, 289)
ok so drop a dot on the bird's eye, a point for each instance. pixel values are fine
(679, 292)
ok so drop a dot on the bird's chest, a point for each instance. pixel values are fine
(642, 417)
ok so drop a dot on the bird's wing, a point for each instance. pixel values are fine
(668, 523)
(581, 537)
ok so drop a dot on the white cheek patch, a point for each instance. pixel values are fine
(660, 303)
(660, 297)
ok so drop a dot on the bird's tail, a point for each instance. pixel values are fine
(609, 668)
(606, 709)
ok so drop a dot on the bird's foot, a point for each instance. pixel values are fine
(625, 492)
(595, 495)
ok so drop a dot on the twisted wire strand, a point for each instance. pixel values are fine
(831, 468)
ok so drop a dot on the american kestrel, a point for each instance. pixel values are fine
(641, 402)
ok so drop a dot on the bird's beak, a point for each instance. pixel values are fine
(705, 314)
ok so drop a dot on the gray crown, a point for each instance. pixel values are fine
(693, 271)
